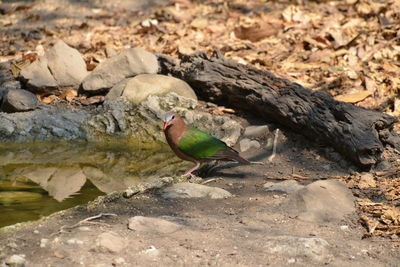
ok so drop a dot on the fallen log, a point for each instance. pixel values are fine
(358, 133)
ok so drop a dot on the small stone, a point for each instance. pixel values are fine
(119, 261)
(18, 100)
(74, 241)
(255, 131)
(156, 225)
(190, 190)
(16, 260)
(43, 242)
(110, 242)
(36, 232)
(344, 227)
(287, 186)
(291, 261)
(152, 250)
(246, 144)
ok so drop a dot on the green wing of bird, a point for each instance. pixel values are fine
(200, 145)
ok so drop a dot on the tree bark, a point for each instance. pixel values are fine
(358, 133)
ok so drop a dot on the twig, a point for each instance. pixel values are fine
(274, 146)
(211, 180)
(86, 220)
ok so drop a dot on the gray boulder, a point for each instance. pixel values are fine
(321, 201)
(128, 63)
(18, 100)
(61, 66)
(38, 76)
(66, 64)
(189, 190)
(140, 87)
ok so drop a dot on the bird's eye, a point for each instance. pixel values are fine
(173, 117)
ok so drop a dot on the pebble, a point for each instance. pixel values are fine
(344, 227)
(44, 242)
(119, 261)
(74, 241)
(152, 250)
(16, 260)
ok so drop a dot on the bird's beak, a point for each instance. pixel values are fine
(166, 125)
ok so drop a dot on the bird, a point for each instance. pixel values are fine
(192, 144)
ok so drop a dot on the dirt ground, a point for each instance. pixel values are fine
(236, 231)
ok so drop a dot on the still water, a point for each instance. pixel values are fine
(37, 179)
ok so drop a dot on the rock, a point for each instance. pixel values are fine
(16, 260)
(155, 225)
(43, 124)
(74, 241)
(321, 201)
(38, 77)
(110, 242)
(117, 90)
(66, 64)
(190, 190)
(44, 242)
(140, 87)
(119, 261)
(246, 144)
(127, 63)
(152, 250)
(287, 186)
(256, 131)
(315, 249)
(61, 66)
(18, 100)
(367, 180)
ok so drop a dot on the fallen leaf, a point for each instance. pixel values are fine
(48, 99)
(257, 32)
(354, 97)
(69, 95)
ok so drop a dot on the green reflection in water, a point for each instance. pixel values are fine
(37, 179)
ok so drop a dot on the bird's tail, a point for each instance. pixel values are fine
(231, 155)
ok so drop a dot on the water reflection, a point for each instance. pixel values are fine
(39, 178)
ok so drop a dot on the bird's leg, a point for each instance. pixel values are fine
(189, 172)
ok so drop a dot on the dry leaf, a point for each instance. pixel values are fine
(354, 97)
(69, 95)
(48, 99)
(257, 32)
